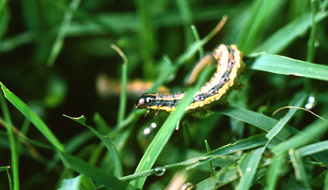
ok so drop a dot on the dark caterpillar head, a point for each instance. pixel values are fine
(145, 100)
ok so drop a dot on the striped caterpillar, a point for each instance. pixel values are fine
(229, 67)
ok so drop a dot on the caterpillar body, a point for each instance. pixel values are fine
(229, 67)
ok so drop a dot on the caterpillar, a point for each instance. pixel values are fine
(229, 67)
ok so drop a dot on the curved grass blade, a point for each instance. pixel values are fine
(116, 163)
(287, 66)
(30, 115)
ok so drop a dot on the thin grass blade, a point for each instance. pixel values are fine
(36, 120)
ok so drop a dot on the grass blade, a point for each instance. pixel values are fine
(274, 172)
(287, 66)
(313, 148)
(259, 120)
(36, 120)
(58, 44)
(300, 172)
(314, 131)
(166, 131)
(98, 175)
(286, 35)
(116, 163)
(297, 102)
(248, 166)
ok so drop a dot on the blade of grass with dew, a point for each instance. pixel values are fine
(274, 172)
(58, 44)
(298, 166)
(296, 102)
(166, 131)
(286, 35)
(259, 120)
(108, 143)
(288, 66)
(248, 166)
(313, 148)
(136, 176)
(260, 12)
(98, 175)
(29, 114)
(312, 132)
(11, 138)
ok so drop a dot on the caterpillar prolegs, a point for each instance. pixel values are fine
(229, 67)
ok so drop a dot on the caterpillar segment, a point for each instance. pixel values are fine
(228, 60)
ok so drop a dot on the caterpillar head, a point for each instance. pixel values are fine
(145, 100)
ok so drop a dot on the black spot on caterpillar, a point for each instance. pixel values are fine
(229, 67)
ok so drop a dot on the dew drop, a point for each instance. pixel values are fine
(188, 186)
(310, 102)
(159, 171)
(316, 44)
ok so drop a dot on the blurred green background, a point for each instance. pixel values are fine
(57, 57)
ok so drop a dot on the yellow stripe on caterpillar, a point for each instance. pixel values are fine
(229, 67)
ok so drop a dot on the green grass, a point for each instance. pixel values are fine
(51, 62)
